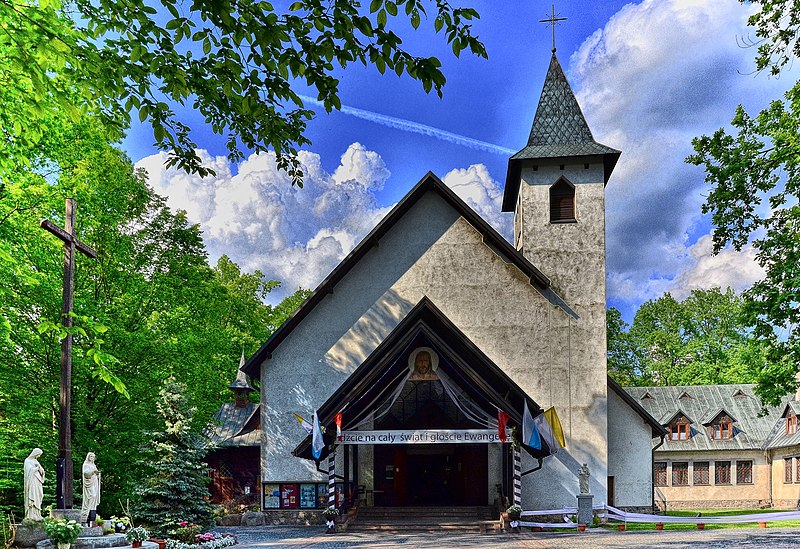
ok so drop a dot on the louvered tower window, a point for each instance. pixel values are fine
(562, 202)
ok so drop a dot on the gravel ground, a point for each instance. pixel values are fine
(314, 537)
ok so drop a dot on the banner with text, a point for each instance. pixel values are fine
(423, 436)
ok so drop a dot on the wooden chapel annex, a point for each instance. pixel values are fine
(434, 323)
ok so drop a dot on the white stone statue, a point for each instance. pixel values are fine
(91, 489)
(583, 479)
(34, 486)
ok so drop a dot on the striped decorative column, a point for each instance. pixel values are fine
(332, 478)
(517, 478)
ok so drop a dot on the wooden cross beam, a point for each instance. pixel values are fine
(67, 234)
(553, 21)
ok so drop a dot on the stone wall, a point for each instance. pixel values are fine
(293, 517)
(677, 505)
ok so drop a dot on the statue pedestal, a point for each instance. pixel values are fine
(585, 513)
(69, 514)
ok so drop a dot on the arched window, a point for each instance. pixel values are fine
(562, 202)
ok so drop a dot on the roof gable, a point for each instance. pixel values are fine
(429, 183)
(713, 415)
(480, 378)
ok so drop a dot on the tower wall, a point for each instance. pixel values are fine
(572, 255)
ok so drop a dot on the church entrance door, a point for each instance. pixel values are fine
(431, 475)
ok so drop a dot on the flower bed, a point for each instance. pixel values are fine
(208, 540)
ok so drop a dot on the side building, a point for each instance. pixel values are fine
(722, 449)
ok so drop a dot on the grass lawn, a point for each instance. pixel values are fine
(711, 513)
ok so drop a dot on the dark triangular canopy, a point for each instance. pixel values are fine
(559, 131)
(366, 388)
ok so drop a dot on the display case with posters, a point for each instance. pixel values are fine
(290, 496)
(322, 496)
(308, 496)
(272, 496)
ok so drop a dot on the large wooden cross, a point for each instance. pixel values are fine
(553, 21)
(67, 234)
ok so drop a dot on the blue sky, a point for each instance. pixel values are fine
(649, 77)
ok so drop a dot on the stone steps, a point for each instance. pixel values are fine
(98, 542)
(424, 519)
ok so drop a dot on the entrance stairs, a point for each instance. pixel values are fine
(425, 519)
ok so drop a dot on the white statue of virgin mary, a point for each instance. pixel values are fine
(33, 486)
(91, 488)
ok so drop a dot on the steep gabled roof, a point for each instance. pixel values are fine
(670, 416)
(484, 382)
(712, 415)
(429, 183)
(559, 131)
(235, 426)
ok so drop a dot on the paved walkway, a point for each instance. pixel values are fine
(314, 538)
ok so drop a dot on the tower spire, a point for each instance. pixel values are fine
(553, 21)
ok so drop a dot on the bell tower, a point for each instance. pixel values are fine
(556, 187)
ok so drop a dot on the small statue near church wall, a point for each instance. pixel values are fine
(583, 479)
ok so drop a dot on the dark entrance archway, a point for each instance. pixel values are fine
(431, 475)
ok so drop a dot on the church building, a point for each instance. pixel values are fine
(435, 327)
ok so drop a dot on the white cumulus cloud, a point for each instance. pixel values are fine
(291, 234)
(659, 73)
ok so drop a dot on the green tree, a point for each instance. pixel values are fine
(754, 172)
(622, 363)
(700, 340)
(148, 307)
(237, 63)
(174, 487)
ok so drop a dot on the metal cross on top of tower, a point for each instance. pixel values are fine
(553, 21)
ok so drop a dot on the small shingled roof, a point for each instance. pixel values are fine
(559, 130)
(234, 426)
(751, 430)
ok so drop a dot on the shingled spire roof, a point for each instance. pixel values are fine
(559, 131)
(241, 382)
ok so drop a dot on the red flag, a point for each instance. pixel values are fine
(502, 419)
(338, 420)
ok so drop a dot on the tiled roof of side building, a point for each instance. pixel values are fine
(779, 438)
(700, 402)
(234, 426)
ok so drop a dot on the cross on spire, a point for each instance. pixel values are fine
(553, 21)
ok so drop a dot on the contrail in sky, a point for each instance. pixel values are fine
(415, 127)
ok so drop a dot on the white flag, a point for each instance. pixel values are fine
(547, 433)
(317, 443)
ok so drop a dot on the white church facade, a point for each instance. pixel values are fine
(434, 323)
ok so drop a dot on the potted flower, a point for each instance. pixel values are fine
(330, 513)
(120, 524)
(62, 532)
(99, 521)
(514, 514)
(136, 536)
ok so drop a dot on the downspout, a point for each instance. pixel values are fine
(653, 473)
